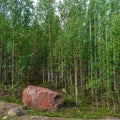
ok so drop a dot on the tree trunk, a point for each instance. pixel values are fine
(1, 61)
(13, 59)
(76, 79)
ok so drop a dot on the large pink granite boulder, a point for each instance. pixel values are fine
(41, 98)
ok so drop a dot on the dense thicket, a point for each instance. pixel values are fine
(74, 43)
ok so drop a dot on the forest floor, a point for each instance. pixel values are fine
(13, 98)
(4, 107)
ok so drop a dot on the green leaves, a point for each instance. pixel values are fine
(94, 84)
(9, 46)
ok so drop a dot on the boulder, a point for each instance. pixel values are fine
(41, 98)
(15, 112)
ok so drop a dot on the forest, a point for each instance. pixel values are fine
(70, 44)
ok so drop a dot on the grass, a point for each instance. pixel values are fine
(11, 99)
(74, 112)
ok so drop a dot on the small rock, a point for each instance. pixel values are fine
(5, 117)
(15, 112)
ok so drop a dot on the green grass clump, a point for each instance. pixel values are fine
(10, 99)
(73, 112)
